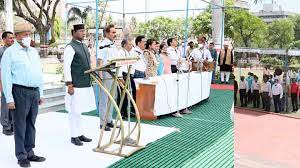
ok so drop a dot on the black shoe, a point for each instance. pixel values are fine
(111, 125)
(227, 83)
(76, 141)
(106, 128)
(35, 158)
(84, 139)
(7, 132)
(24, 163)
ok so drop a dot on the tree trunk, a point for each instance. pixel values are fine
(43, 42)
(53, 37)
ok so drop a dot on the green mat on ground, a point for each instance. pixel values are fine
(205, 139)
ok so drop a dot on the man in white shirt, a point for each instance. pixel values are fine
(127, 51)
(255, 92)
(201, 54)
(266, 94)
(80, 96)
(277, 93)
(243, 86)
(107, 51)
(174, 54)
(140, 65)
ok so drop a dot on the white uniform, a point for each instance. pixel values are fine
(140, 65)
(124, 53)
(106, 54)
(201, 54)
(83, 99)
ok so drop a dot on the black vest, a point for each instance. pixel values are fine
(80, 63)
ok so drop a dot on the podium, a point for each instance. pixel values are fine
(207, 66)
(118, 136)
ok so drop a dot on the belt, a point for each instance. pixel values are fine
(26, 87)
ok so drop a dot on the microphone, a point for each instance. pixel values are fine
(106, 46)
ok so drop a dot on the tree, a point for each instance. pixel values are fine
(42, 18)
(296, 20)
(75, 14)
(55, 31)
(247, 28)
(162, 28)
(1, 5)
(202, 24)
(281, 33)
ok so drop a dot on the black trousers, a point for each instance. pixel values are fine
(6, 116)
(294, 101)
(24, 117)
(266, 101)
(250, 97)
(125, 102)
(243, 97)
(174, 68)
(256, 98)
(277, 103)
(235, 97)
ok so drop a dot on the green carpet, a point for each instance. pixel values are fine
(205, 139)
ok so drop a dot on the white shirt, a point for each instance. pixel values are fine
(124, 53)
(201, 54)
(108, 53)
(244, 85)
(255, 86)
(69, 53)
(267, 87)
(140, 65)
(174, 55)
(277, 90)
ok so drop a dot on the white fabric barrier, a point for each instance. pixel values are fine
(166, 94)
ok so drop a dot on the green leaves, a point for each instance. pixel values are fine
(281, 33)
(162, 28)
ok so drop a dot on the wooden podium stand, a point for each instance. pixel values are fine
(121, 139)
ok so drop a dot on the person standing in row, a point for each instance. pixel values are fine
(107, 53)
(255, 92)
(294, 92)
(243, 91)
(140, 65)
(22, 80)
(214, 55)
(149, 54)
(174, 54)
(277, 93)
(80, 96)
(266, 94)
(165, 58)
(236, 88)
(6, 116)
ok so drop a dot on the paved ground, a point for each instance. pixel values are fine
(266, 140)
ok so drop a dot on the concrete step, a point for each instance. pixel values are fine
(48, 98)
(53, 89)
(52, 106)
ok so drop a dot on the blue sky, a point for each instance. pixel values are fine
(155, 5)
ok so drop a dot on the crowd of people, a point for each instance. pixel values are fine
(270, 91)
(22, 78)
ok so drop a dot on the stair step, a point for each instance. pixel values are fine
(54, 97)
(52, 104)
(54, 89)
(52, 109)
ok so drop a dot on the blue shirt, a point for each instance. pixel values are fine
(21, 66)
(250, 81)
(160, 68)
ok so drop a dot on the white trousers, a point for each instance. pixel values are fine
(75, 124)
(223, 73)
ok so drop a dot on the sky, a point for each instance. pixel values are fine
(156, 5)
